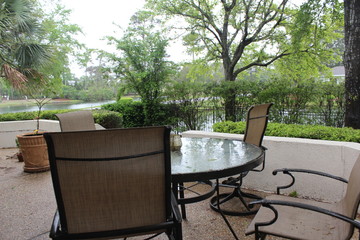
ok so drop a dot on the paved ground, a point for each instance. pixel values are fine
(27, 205)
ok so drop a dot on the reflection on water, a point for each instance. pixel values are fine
(51, 106)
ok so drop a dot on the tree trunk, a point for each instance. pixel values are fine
(230, 100)
(352, 63)
(230, 112)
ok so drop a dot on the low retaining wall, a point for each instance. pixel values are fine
(327, 156)
(9, 130)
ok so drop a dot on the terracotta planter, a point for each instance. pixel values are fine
(34, 152)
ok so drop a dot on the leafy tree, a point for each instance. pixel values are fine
(246, 34)
(351, 63)
(190, 97)
(60, 34)
(142, 63)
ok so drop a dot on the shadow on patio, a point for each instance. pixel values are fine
(28, 204)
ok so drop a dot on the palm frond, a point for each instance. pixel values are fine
(32, 55)
(16, 78)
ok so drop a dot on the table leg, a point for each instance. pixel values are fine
(220, 211)
(237, 193)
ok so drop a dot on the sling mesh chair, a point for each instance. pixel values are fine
(113, 183)
(256, 123)
(295, 218)
(76, 121)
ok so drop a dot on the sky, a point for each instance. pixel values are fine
(96, 19)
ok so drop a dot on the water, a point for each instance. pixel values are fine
(52, 106)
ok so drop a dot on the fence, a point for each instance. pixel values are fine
(207, 117)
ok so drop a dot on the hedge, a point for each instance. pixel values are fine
(107, 119)
(297, 131)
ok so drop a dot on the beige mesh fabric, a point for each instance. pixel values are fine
(111, 194)
(296, 223)
(76, 121)
(256, 123)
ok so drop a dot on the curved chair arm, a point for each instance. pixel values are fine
(55, 225)
(270, 204)
(289, 170)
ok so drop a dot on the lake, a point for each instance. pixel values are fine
(52, 106)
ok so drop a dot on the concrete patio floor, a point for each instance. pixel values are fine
(27, 206)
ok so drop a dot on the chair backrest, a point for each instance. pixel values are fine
(107, 180)
(76, 121)
(351, 200)
(256, 122)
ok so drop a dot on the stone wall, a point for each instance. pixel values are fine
(9, 130)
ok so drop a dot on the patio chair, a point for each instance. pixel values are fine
(76, 121)
(112, 183)
(296, 218)
(256, 123)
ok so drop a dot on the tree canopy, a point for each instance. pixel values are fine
(246, 34)
(141, 62)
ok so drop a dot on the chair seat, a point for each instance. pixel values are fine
(301, 224)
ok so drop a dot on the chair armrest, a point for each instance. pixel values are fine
(55, 225)
(269, 204)
(289, 170)
(175, 208)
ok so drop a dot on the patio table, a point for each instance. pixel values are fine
(205, 159)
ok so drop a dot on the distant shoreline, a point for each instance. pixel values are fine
(32, 102)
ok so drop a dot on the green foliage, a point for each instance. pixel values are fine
(22, 55)
(107, 119)
(257, 33)
(92, 94)
(190, 99)
(60, 34)
(133, 114)
(143, 64)
(230, 127)
(293, 194)
(295, 131)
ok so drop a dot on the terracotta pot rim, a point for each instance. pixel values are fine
(31, 134)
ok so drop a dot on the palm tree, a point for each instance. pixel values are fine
(21, 54)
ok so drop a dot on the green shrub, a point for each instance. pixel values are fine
(133, 113)
(296, 131)
(108, 119)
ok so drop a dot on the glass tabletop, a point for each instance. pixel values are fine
(209, 158)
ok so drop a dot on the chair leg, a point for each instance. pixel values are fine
(260, 236)
(182, 205)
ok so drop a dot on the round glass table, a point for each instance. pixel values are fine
(201, 159)
(204, 159)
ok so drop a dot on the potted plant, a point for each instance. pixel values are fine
(32, 145)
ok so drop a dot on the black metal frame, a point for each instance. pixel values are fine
(270, 203)
(172, 226)
(298, 170)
